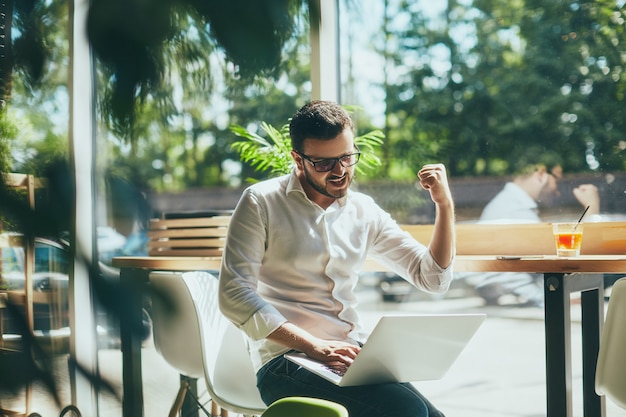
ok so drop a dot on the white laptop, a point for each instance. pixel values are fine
(404, 348)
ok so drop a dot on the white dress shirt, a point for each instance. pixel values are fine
(287, 259)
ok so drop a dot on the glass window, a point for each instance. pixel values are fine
(496, 91)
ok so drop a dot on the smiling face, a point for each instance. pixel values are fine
(323, 188)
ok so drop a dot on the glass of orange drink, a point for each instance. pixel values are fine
(568, 238)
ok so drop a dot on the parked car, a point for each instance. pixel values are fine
(50, 288)
(394, 288)
(50, 284)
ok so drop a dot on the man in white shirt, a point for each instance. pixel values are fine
(295, 247)
(517, 203)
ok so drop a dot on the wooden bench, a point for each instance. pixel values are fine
(205, 236)
(601, 238)
(196, 236)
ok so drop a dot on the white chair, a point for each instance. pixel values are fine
(611, 366)
(197, 340)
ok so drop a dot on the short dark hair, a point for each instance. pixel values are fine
(318, 119)
(534, 158)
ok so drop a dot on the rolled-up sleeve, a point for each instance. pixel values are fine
(432, 277)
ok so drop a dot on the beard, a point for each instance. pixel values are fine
(331, 191)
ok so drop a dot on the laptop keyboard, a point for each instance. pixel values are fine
(336, 371)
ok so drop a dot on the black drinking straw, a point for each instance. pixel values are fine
(581, 218)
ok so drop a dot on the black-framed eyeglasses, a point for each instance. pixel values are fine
(328, 164)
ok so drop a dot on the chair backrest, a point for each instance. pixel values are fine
(611, 365)
(175, 324)
(305, 407)
(195, 236)
(202, 330)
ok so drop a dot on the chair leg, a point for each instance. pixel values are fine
(180, 398)
(224, 413)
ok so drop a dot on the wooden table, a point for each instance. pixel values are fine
(559, 283)
(562, 277)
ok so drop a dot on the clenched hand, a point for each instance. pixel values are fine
(432, 177)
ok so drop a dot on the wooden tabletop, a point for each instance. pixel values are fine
(545, 263)
(464, 263)
(169, 263)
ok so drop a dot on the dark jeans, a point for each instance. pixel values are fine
(281, 378)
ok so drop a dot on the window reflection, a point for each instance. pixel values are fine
(478, 85)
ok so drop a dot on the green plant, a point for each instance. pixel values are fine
(274, 151)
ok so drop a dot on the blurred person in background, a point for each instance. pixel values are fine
(518, 202)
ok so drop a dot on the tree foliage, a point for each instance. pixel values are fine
(131, 37)
(523, 74)
(179, 137)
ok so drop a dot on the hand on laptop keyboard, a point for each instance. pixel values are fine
(339, 369)
(335, 354)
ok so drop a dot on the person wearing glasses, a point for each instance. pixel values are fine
(518, 202)
(292, 258)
